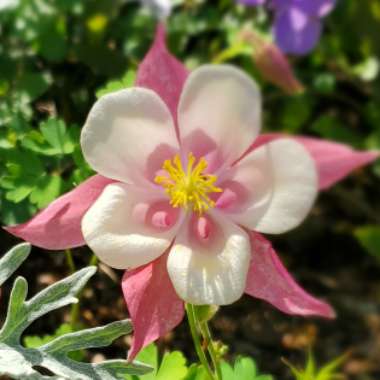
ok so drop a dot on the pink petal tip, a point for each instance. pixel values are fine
(334, 161)
(270, 281)
(58, 226)
(153, 304)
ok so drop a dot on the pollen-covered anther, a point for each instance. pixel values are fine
(188, 188)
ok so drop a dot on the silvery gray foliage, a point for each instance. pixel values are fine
(12, 260)
(23, 363)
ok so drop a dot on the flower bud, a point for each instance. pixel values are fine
(273, 64)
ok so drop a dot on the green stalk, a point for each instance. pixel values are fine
(93, 260)
(211, 350)
(75, 307)
(191, 316)
(74, 311)
(70, 261)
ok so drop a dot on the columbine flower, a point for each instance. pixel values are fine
(189, 192)
(143, 151)
(298, 23)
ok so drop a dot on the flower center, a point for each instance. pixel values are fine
(190, 188)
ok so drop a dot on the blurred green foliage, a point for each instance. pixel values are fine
(369, 238)
(244, 368)
(328, 372)
(57, 56)
(173, 365)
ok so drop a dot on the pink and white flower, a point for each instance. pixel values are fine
(189, 192)
(185, 231)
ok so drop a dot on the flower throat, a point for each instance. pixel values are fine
(188, 189)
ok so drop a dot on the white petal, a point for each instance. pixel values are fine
(213, 272)
(282, 178)
(225, 104)
(121, 227)
(124, 131)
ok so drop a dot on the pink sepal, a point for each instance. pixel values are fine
(153, 304)
(334, 161)
(162, 72)
(270, 281)
(58, 226)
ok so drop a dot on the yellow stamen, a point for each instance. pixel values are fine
(188, 189)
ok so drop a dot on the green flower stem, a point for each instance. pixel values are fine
(191, 316)
(211, 350)
(93, 260)
(75, 307)
(70, 261)
(74, 311)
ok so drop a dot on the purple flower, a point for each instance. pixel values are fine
(252, 2)
(317, 8)
(298, 23)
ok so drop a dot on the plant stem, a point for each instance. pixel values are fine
(211, 350)
(75, 307)
(70, 260)
(93, 260)
(191, 316)
(74, 311)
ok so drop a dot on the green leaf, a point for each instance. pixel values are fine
(24, 170)
(46, 190)
(298, 375)
(14, 213)
(196, 372)
(245, 369)
(311, 372)
(20, 191)
(12, 260)
(36, 142)
(126, 81)
(33, 84)
(369, 238)
(227, 371)
(23, 164)
(55, 133)
(149, 356)
(328, 372)
(173, 366)
(311, 368)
